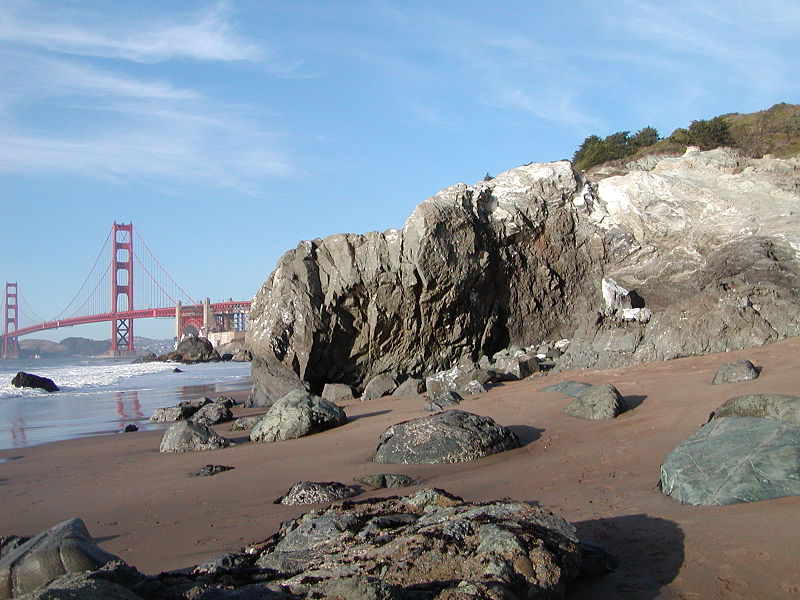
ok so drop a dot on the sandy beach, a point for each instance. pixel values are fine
(149, 509)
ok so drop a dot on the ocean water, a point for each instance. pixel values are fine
(102, 396)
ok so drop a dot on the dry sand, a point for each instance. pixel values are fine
(147, 507)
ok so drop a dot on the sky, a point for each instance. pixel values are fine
(228, 131)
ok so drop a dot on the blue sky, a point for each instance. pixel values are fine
(228, 131)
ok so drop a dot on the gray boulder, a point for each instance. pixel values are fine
(765, 406)
(474, 387)
(336, 392)
(446, 437)
(735, 459)
(568, 387)
(212, 414)
(380, 385)
(741, 370)
(412, 386)
(296, 415)
(312, 492)
(186, 436)
(442, 401)
(65, 548)
(598, 402)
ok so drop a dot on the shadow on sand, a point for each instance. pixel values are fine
(649, 551)
(365, 415)
(634, 401)
(526, 433)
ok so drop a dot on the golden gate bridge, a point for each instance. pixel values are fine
(108, 294)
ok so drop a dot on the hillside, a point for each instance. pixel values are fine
(775, 131)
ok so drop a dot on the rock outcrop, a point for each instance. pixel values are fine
(474, 268)
(698, 254)
(446, 437)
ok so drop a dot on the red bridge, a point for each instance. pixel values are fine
(107, 294)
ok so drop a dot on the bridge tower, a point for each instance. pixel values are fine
(11, 320)
(121, 288)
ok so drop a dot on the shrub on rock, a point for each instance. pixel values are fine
(186, 436)
(598, 402)
(295, 415)
(446, 437)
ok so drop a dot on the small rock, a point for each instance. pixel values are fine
(473, 387)
(386, 480)
(172, 413)
(442, 400)
(130, 428)
(246, 423)
(29, 380)
(177, 370)
(598, 402)
(741, 370)
(226, 401)
(209, 470)
(311, 492)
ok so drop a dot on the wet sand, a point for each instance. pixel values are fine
(150, 510)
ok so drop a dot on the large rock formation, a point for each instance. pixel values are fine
(707, 241)
(474, 268)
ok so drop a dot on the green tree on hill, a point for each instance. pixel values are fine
(594, 150)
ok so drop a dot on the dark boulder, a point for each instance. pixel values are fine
(598, 402)
(192, 350)
(30, 380)
(735, 459)
(741, 370)
(446, 437)
(213, 414)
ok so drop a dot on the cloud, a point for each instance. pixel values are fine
(65, 108)
(208, 36)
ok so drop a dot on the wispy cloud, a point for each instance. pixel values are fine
(208, 36)
(66, 108)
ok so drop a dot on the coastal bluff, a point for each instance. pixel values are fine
(708, 240)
